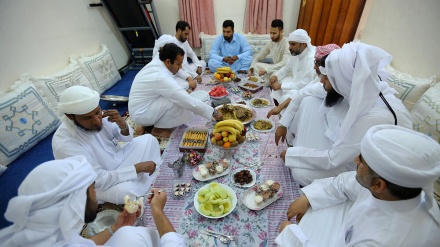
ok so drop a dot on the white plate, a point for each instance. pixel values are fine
(258, 77)
(248, 199)
(197, 176)
(254, 178)
(263, 119)
(259, 106)
(200, 95)
(103, 220)
(227, 188)
(227, 93)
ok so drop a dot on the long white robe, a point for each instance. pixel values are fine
(278, 51)
(368, 222)
(157, 99)
(190, 68)
(113, 162)
(313, 161)
(295, 74)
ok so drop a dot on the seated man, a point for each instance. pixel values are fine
(197, 67)
(328, 133)
(278, 50)
(298, 71)
(58, 197)
(230, 49)
(156, 99)
(388, 201)
(87, 130)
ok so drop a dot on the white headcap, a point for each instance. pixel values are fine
(50, 206)
(301, 36)
(78, 100)
(404, 157)
(163, 40)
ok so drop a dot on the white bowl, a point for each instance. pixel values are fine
(228, 189)
(104, 219)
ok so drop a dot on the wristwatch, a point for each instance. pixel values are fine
(126, 127)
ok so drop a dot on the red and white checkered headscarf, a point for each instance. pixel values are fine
(321, 51)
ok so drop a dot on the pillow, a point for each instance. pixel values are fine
(410, 88)
(100, 69)
(207, 41)
(53, 85)
(25, 120)
(426, 113)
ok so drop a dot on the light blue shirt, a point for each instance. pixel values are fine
(237, 47)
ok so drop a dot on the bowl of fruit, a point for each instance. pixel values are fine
(224, 75)
(218, 92)
(228, 134)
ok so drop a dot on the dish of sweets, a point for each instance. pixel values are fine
(250, 86)
(260, 102)
(263, 125)
(181, 189)
(243, 177)
(262, 195)
(215, 200)
(211, 170)
(194, 139)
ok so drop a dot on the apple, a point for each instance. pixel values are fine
(218, 136)
(225, 133)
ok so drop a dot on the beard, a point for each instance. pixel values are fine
(228, 38)
(182, 39)
(332, 98)
(276, 39)
(86, 129)
(90, 213)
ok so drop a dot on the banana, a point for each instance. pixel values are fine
(238, 122)
(233, 124)
(226, 128)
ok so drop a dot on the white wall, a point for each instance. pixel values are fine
(38, 36)
(408, 30)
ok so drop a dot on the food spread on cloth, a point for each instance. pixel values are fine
(228, 133)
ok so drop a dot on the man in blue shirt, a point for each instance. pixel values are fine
(231, 49)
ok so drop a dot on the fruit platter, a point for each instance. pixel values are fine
(218, 92)
(228, 134)
(215, 200)
(224, 75)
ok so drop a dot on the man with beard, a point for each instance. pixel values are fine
(196, 68)
(123, 168)
(278, 50)
(298, 71)
(329, 134)
(58, 197)
(230, 49)
(387, 201)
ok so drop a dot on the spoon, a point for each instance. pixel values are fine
(222, 239)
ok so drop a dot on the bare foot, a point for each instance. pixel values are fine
(162, 132)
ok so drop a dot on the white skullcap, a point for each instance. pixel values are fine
(78, 100)
(163, 40)
(403, 157)
(49, 209)
(300, 36)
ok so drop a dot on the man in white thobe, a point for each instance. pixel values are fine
(326, 148)
(123, 168)
(155, 98)
(277, 49)
(388, 201)
(298, 71)
(58, 197)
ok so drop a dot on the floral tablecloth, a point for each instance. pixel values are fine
(253, 228)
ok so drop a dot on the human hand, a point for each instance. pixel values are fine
(192, 84)
(283, 155)
(226, 59)
(126, 219)
(275, 86)
(273, 79)
(274, 111)
(262, 72)
(280, 133)
(199, 70)
(234, 58)
(157, 200)
(298, 208)
(147, 167)
(114, 117)
(198, 79)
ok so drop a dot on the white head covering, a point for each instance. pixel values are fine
(404, 157)
(78, 100)
(352, 71)
(50, 206)
(301, 36)
(163, 40)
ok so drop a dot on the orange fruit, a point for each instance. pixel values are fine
(221, 80)
(217, 76)
(227, 145)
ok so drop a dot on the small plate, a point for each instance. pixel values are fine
(219, 97)
(259, 79)
(114, 98)
(197, 176)
(254, 178)
(263, 119)
(228, 189)
(248, 199)
(260, 105)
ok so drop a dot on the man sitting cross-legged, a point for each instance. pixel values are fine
(123, 169)
(58, 197)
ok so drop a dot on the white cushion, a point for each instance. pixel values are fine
(426, 113)
(100, 69)
(53, 85)
(256, 42)
(410, 88)
(25, 120)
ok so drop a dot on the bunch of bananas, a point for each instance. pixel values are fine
(228, 133)
(224, 74)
